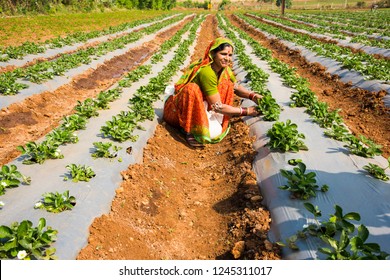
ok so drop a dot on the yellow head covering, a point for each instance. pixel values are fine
(207, 59)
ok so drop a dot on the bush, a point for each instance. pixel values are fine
(361, 4)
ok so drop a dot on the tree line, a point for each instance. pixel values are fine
(51, 6)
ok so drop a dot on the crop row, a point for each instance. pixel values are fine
(367, 65)
(47, 70)
(336, 33)
(285, 137)
(362, 22)
(18, 239)
(18, 52)
(305, 97)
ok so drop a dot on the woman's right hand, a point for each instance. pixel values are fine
(252, 111)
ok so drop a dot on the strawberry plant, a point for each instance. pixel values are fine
(323, 116)
(337, 233)
(87, 109)
(304, 97)
(302, 185)
(56, 202)
(135, 75)
(105, 97)
(105, 150)
(363, 147)
(10, 177)
(285, 137)
(8, 84)
(121, 127)
(74, 122)
(377, 171)
(80, 172)
(338, 132)
(38, 153)
(60, 136)
(23, 241)
(143, 109)
(268, 108)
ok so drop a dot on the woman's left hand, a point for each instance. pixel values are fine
(255, 97)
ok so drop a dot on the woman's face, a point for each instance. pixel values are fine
(223, 58)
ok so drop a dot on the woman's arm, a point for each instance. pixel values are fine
(244, 93)
(216, 104)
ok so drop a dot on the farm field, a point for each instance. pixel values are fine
(159, 199)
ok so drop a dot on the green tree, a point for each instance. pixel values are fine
(288, 3)
(223, 4)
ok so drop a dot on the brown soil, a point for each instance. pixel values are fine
(181, 203)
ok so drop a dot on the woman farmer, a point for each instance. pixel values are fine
(203, 100)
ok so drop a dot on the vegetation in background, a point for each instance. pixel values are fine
(52, 6)
(194, 4)
(40, 28)
(288, 3)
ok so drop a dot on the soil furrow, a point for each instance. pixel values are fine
(37, 115)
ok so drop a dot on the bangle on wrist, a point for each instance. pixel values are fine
(244, 111)
(252, 96)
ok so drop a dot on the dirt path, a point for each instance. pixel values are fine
(182, 203)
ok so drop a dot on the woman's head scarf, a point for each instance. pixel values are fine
(195, 67)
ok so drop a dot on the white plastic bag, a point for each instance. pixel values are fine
(215, 122)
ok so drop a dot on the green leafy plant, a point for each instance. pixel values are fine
(56, 202)
(105, 150)
(74, 122)
(121, 127)
(304, 97)
(87, 109)
(363, 147)
(323, 115)
(135, 75)
(61, 136)
(10, 177)
(302, 185)
(285, 136)
(23, 241)
(38, 153)
(106, 97)
(337, 234)
(80, 172)
(338, 132)
(143, 108)
(377, 171)
(268, 108)
(8, 84)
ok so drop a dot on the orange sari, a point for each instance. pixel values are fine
(186, 108)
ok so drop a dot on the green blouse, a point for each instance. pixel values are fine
(207, 80)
